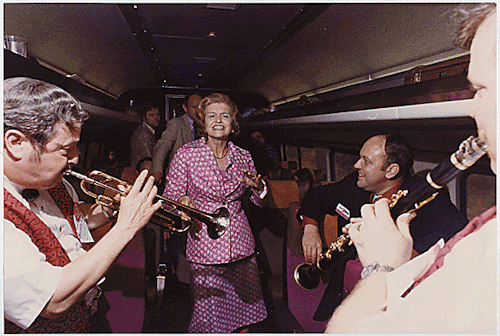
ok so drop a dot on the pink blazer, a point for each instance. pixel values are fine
(194, 172)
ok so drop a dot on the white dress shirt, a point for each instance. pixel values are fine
(459, 298)
(29, 281)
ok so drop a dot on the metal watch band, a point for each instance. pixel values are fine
(373, 268)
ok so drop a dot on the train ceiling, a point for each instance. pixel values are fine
(278, 50)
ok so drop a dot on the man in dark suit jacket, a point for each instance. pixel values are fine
(179, 131)
(383, 168)
(143, 139)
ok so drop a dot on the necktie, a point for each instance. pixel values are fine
(30, 194)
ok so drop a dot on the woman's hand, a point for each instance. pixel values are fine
(186, 200)
(252, 180)
(378, 239)
(195, 225)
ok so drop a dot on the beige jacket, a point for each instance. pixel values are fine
(176, 134)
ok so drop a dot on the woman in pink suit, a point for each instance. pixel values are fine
(207, 174)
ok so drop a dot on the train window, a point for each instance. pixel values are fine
(173, 106)
(343, 165)
(292, 154)
(308, 158)
(480, 193)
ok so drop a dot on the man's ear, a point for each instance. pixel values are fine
(16, 143)
(185, 108)
(391, 171)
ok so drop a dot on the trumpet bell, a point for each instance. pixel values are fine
(220, 221)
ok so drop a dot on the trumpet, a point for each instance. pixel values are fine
(216, 223)
(308, 275)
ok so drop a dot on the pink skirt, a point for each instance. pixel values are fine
(226, 296)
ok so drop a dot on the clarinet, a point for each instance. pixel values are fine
(308, 275)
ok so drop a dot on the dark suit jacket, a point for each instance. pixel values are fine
(438, 219)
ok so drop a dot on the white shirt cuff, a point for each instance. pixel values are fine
(264, 192)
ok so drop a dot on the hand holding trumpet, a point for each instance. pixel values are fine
(137, 207)
(195, 226)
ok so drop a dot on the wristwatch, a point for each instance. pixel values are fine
(373, 268)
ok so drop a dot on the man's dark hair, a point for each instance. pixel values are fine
(398, 151)
(145, 109)
(469, 17)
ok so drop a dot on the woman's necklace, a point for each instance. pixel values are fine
(223, 155)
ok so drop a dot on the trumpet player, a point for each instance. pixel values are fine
(452, 288)
(50, 272)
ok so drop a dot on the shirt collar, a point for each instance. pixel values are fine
(11, 186)
(15, 190)
(149, 127)
(387, 194)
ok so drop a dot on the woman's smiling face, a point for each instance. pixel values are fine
(218, 120)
